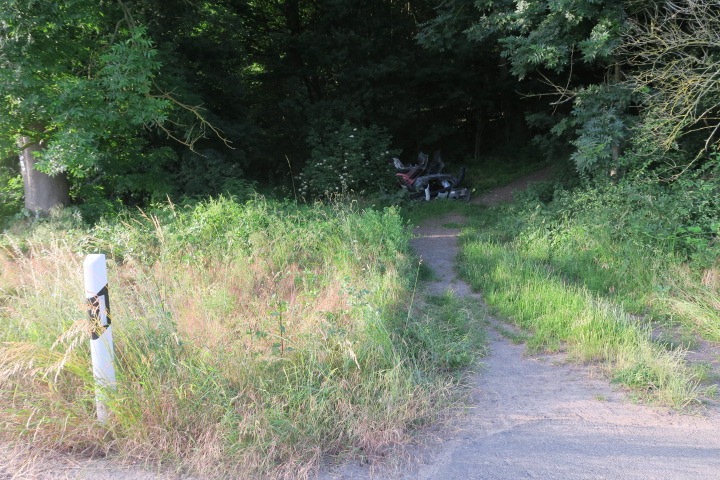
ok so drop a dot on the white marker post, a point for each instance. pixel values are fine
(101, 345)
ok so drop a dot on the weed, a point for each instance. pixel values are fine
(694, 299)
(426, 273)
(417, 212)
(251, 339)
(712, 391)
(445, 333)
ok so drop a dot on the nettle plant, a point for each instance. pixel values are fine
(348, 159)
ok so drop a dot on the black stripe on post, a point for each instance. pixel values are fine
(94, 311)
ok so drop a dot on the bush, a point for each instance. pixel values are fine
(348, 159)
(10, 189)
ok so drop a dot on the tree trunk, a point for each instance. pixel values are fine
(42, 191)
(615, 168)
(291, 10)
(479, 128)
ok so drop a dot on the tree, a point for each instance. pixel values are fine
(43, 191)
(563, 50)
(495, 108)
(315, 65)
(673, 54)
(77, 90)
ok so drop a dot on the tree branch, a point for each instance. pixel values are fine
(192, 136)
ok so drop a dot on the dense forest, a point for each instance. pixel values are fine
(127, 102)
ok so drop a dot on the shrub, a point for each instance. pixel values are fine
(348, 159)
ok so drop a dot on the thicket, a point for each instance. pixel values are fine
(251, 338)
(139, 99)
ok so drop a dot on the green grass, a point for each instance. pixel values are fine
(252, 339)
(516, 337)
(581, 274)
(563, 316)
(417, 212)
(445, 333)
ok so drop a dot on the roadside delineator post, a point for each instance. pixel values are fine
(101, 344)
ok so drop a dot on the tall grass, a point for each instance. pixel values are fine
(693, 298)
(563, 316)
(251, 339)
(595, 272)
(631, 246)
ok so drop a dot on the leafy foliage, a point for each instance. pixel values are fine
(562, 50)
(79, 77)
(108, 86)
(674, 51)
(599, 115)
(348, 159)
(10, 189)
(545, 33)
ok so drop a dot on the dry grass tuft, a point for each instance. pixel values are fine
(694, 300)
(249, 339)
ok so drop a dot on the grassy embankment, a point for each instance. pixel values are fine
(251, 339)
(592, 273)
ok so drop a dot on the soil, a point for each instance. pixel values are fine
(505, 193)
(530, 416)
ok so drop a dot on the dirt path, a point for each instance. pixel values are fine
(505, 193)
(540, 417)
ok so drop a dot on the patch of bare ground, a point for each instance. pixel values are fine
(27, 463)
(505, 193)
